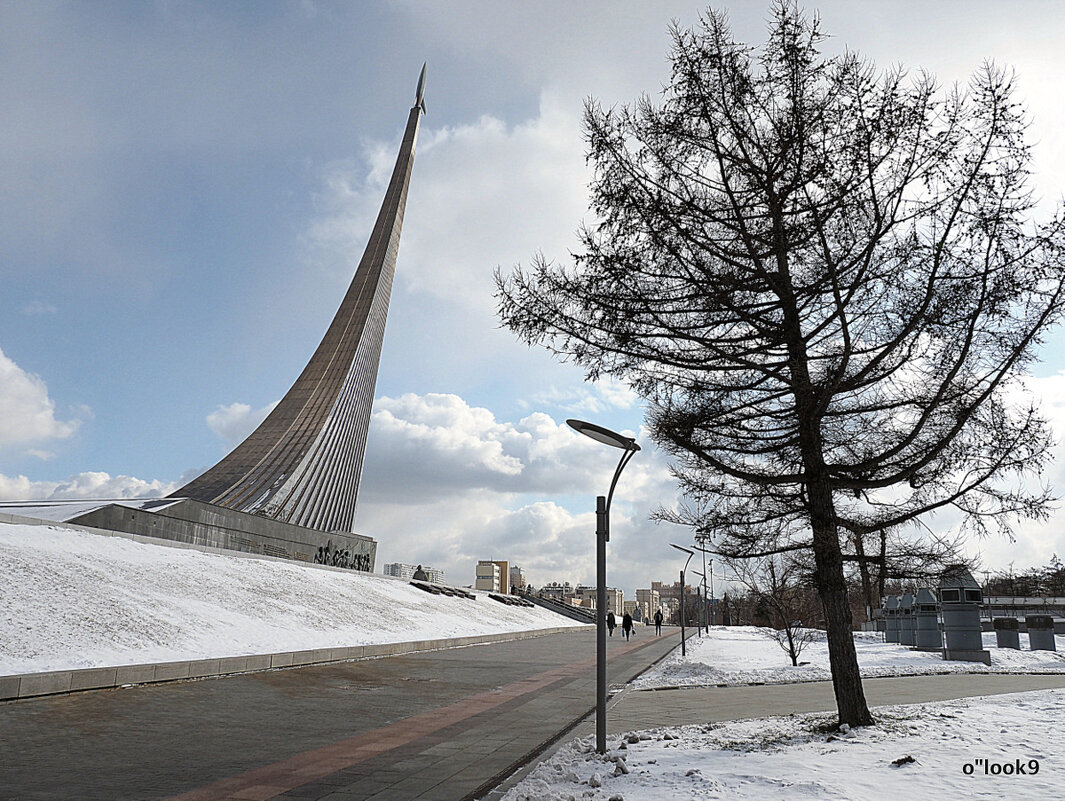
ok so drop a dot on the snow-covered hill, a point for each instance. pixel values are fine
(72, 599)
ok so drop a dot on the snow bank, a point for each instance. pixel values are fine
(745, 654)
(71, 599)
(971, 748)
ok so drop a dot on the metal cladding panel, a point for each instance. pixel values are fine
(303, 463)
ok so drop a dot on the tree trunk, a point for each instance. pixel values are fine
(832, 587)
(791, 646)
(882, 565)
(863, 571)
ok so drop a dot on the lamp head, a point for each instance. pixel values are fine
(604, 435)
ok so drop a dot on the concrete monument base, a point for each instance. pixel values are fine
(206, 525)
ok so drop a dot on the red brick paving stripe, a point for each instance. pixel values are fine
(280, 777)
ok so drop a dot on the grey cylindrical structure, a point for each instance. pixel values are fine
(1040, 632)
(891, 619)
(1006, 632)
(927, 635)
(960, 598)
(906, 620)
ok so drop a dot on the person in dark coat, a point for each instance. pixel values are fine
(611, 622)
(626, 625)
(658, 622)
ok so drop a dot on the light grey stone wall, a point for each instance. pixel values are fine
(208, 526)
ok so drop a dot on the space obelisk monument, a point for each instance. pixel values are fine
(302, 465)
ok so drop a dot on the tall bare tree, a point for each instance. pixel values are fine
(825, 281)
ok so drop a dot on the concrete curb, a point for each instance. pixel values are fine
(59, 682)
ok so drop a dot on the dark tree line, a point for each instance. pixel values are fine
(824, 281)
(1035, 582)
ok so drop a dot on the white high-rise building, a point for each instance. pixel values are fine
(488, 576)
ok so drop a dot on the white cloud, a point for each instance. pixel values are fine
(447, 484)
(480, 188)
(27, 413)
(423, 446)
(233, 423)
(1036, 541)
(83, 485)
(607, 393)
(38, 308)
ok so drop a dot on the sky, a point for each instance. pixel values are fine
(187, 187)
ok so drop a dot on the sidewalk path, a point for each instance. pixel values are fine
(645, 709)
(440, 725)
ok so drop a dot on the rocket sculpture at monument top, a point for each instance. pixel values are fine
(302, 465)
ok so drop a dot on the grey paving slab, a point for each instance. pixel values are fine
(134, 674)
(44, 683)
(93, 679)
(105, 744)
(171, 671)
(649, 709)
(84, 679)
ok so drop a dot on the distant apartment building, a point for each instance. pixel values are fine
(615, 598)
(636, 610)
(517, 578)
(562, 593)
(671, 592)
(488, 576)
(405, 571)
(504, 576)
(669, 597)
(649, 602)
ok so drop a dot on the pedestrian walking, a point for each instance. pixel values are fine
(611, 622)
(658, 623)
(626, 625)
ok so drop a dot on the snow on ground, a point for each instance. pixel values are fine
(999, 747)
(745, 654)
(971, 748)
(71, 599)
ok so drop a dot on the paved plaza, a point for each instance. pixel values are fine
(440, 726)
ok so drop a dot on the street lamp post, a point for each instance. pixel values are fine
(706, 573)
(602, 536)
(691, 553)
(700, 595)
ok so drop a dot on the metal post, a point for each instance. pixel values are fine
(710, 625)
(702, 608)
(683, 649)
(700, 600)
(705, 616)
(602, 535)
